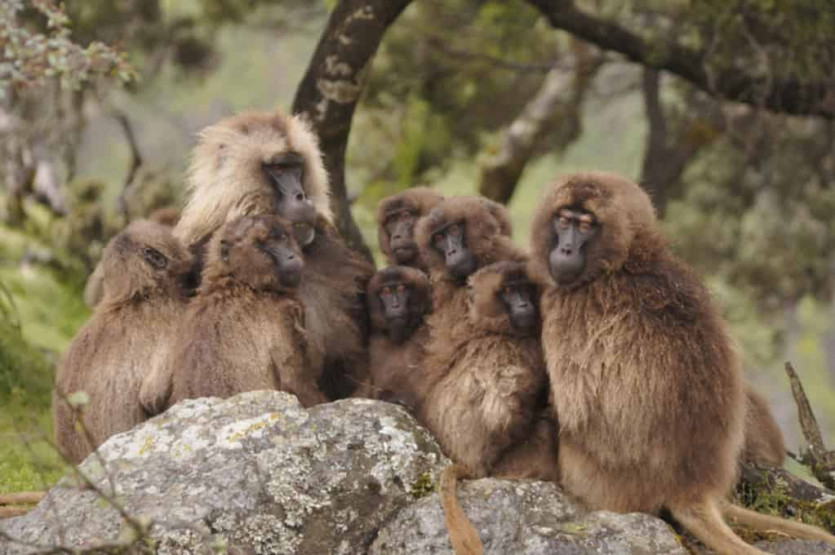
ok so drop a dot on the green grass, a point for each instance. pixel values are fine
(48, 311)
(28, 460)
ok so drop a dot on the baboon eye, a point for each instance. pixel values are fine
(386, 291)
(155, 258)
(401, 288)
(584, 226)
(454, 230)
(439, 237)
(564, 222)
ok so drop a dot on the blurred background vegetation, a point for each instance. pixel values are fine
(499, 97)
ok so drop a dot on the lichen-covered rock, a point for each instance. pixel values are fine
(525, 517)
(797, 547)
(256, 471)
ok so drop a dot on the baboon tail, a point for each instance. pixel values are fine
(704, 521)
(764, 523)
(462, 534)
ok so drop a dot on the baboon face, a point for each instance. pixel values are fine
(590, 224)
(256, 163)
(143, 257)
(519, 299)
(451, 242)
(462, 234)
(399, 297)
(285, 174)
(262, 251)
(400, 228)
(573, 231)
(397, 217)
(502, 294)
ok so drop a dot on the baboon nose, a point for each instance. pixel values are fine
(300, 197)
(567, 250)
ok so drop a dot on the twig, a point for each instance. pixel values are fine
(820, 461)
(135, 163)
(22, 498)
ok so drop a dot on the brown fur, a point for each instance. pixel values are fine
(489, 379)
(764, 444)
(396, 368)
(125, 340)
(244, 331)
(535, 456)
(165, 216)
(418, 201)
(645, 383)
(226, 181)
(486, 390)
(93, 290)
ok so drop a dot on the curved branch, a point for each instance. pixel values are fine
(779, 95)
(329, 91)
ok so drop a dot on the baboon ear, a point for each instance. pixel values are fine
(224, 250)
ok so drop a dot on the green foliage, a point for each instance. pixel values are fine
(791, 38)
(760, 213)
(773, 497)
(37, 47)
(25, 373)
(28, 459)
(449, 72)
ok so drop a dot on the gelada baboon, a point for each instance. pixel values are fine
(93, 288)
(244, 331)
(398, 299)
(489, 380)
(270, 163)
(143, 268)
(456, 238)
(396, 219)
(645, 383)
(764, 444)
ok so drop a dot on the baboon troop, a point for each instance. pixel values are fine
(596, 359)
(269, 163)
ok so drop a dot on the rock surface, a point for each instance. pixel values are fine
(257, 473)
(525, 517)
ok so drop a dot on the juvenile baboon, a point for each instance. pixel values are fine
(764, 444)
(645, 383)
(489, 386)
(489, 369)
(270, 163)
(398, 298)
(244, 331)
(126, 338)
(396, 219)
(456, 238)
(93, 288)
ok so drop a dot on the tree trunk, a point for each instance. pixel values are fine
(667, 155)
(558, 102)
(329, 91)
